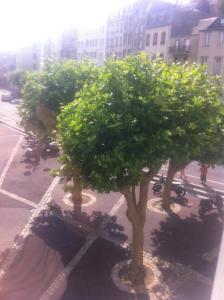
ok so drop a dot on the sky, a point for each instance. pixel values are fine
(24, 21)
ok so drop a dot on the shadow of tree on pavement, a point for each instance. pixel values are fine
(186, 240)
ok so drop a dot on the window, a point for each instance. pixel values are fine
(163, 38)
(206, 39)
(204, 60)
(140, 44)
(155, 38)
(217, 65)
(125, 39)
(187, 45)
(221, 39)
(34, 56)
(129, 39)
(147, 40)
(120, 43)
(177, 44)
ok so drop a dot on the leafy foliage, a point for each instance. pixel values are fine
(193, 110)
(46, 91)
(116, 127)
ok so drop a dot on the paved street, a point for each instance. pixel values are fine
(65, 257)
(8, 112)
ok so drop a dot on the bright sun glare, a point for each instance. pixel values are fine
(24, 21)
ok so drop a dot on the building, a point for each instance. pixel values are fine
(125, 30)
(91, 44)
(119, 31)
(211, 45)
(184, 35)
(68, 44)
(157, 34)
(29, 58)
(7, 64)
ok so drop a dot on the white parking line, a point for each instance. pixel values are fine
(188, 175)
(19, 243)
(61, 277)
(200, 191)
(18, 130)
(203, 197)
(18, 198)
(8, 164)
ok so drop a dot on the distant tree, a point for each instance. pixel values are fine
(220, 7)
(45, 93)
(196, 112)
(17, 80)
(114, 136)
(204, 6)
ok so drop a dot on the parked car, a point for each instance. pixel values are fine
(15, 101)
(6, 97)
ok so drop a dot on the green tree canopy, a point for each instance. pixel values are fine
(46, 91)
(114, 135)
(195, 113)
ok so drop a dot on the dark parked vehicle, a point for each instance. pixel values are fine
(176, 187)
(7, 97)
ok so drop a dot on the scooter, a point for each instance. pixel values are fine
(176, 187)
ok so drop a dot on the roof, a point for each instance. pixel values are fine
(216, 23)
(185, 21)
(204, 24)
(160, 14)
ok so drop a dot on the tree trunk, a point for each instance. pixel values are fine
(136, 272)
(136, 211)
(76, 193)
(136, 215)
(168, 186)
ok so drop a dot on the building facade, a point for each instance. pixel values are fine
(157, 32)
(91, 45)
(211, 45)
(29, 58)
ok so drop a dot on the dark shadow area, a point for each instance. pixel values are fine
(186, 240)
(66, 232)
(62, 229)
(91, 279)
(183, 201)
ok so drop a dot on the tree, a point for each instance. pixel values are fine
(45, 93)
(114, 135)
(195, 113)
(220, 7)
(204, 6)
(17, 80)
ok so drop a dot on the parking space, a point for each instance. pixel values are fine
(22, 185)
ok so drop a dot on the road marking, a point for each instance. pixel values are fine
(18, 198)
(61, 277)
(19, 243)
(188, 175)
(8, 164)
(200, 191)
(18, 130)
(203, 197)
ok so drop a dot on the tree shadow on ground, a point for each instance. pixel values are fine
(58, 228)
(186, 240)
(66, 231)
